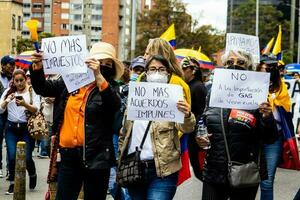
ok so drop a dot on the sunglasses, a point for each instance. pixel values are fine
(239, 62)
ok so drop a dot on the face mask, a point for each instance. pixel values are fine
(157, 78)
(107, 72)
(236, 67)
(134, 77)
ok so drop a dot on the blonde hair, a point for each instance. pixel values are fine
(158, 46)
(241, 54)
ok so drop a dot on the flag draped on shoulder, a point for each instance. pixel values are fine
(277, 47)
(169, 35)
(268, 47)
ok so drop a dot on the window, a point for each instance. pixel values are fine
(65, 15)
(26, 5)
(37, 15)
(77, 6)
(19, 22)
(13, 22)
(77, 28)
(25, 33)
(13, 41)
(96, 28)
(65, 26)
(65, 5)
(47, 6)
(26, 15)
(77, 17)
(37, 5)
(96, 17)
(96, 6)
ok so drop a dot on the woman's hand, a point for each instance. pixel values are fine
(203, 142)
(10, 97)
(20, 102)
(184, 107)
(94, 65)
(265, 109)
(37, 61)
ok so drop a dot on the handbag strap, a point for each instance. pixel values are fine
(226, 144)
(145, 135)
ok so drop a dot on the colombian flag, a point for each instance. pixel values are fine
(169, 35)
(268, 47)
(184, 172)
(277, 47)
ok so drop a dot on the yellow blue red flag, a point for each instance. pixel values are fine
(169, 35)
(277, 47)
(268, 47)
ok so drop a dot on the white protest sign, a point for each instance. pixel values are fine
(294, 92)
(154, 102)
(76, 81)
(239, 89)
(247, 43)
(64, 55)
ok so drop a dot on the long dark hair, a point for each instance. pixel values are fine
(275, 78)
(160, 59)
(12, 87)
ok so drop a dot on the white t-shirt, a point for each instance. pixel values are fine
(138, 130)
(17, 113)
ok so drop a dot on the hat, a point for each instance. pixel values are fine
(7, 60)
(103, 50)
(138, 62)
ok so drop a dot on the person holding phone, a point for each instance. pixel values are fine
(16, 100)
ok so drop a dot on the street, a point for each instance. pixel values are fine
(286, 185)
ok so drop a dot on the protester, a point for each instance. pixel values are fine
(16, 100)
(7, 68)
(279, 99)
(244, 138)
(193, 76)
(137, 67)
(86, 117)
(161, 151)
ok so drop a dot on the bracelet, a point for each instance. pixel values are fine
(103, 85)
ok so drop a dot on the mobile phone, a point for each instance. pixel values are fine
(19, 97)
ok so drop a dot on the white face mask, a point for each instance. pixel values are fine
(157, 78)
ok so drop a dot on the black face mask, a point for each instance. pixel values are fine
(236, 67)
(107, 72)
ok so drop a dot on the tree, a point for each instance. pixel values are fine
(25, 44)
(269, 19)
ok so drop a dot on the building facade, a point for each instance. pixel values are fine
(11, 25)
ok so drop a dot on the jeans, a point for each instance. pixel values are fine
(45, 144)
(112, 186)
(224, 191)
(11, 139)
(155, 187)
(272, 155)
(1, 138)
(72, 174)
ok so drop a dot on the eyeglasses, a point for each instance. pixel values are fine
(238, 62)
(160, 70)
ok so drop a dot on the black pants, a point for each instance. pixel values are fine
(224, 192)
(72, 174)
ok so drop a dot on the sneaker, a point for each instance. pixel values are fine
(1, 173)
(10, 189)
(42, 156)
(32, 181)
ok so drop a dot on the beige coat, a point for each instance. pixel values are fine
(165, 143)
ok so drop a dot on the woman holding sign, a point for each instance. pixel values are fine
(281, 102)
(236, 137)
(160, 154)
(83, 120)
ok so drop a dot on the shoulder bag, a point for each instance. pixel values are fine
(241, 175)
(130, 169)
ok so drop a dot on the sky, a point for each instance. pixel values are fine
(212, 12)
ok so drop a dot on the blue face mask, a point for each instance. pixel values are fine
(134, 77)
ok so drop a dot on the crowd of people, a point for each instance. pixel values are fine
(94, 134)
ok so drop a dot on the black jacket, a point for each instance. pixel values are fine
(198, 96)
(99, 117)
(244, 139)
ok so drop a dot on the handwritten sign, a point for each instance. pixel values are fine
(64, 55)
(76, 81)
(247, 43)
(154, 102)
(294, 92)
(239, 89)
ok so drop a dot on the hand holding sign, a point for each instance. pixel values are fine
(265, 109)
(184, 107)
(36, 59)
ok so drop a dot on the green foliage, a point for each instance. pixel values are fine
(153, 23)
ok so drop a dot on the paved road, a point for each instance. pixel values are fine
(286, 185)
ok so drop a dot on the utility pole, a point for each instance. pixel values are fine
(230, 21)
(257, 18)
(298, 57)
(133, 28)
(292, 32)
